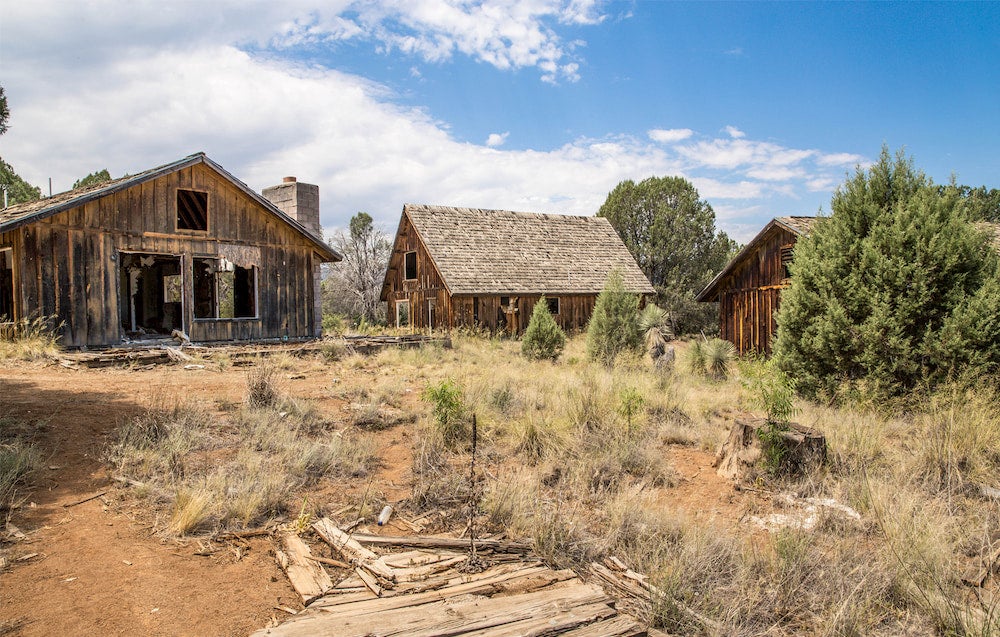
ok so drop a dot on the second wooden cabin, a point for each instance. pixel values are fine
(468, 267)
(748, 289)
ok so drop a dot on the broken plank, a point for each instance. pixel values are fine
(429, 542)
(308, 578)
(350, 548)
(486, 583)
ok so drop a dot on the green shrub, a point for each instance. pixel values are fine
(449, 411)
(614, 327)
(543, 339)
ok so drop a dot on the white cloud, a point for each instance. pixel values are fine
(734, 132)
(841, 159)
(497, 139)
(669, 135)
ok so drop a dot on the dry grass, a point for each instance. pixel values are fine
(29, 339)
(234, 472)
(19, 461)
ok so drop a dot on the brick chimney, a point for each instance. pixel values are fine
(299, 201)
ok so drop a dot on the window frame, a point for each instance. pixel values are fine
(216, 297)
(549, 300)
(406, 266)
(409, 316)
(13, 284)
(177, 211)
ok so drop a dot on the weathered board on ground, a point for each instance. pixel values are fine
(429, 597)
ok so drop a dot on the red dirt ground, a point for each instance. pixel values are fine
(101, 569)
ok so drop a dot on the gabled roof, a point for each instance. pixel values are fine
(31, 211)
(800, 226)
(480, 251)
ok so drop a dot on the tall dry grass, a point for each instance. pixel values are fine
(29, 339)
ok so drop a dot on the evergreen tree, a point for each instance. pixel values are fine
(670, 230)
(895, 290)
(93, 179)
(18, 190)
(614, 326)
(543, 339)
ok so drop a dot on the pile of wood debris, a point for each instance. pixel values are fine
(424, 590)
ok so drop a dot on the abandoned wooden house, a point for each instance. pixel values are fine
(748, 289)
(185, 246)
(468, 267)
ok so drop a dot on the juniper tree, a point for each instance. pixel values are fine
(895, 290)
(543, 339)
(614, 326)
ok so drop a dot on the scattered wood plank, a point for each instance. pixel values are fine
(308, 578)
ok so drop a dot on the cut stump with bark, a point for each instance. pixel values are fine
(754, 445)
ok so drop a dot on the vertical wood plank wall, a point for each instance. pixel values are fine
(67, 265)
(751, 294)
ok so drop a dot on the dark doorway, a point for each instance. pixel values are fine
(152, 290)
(6, 284)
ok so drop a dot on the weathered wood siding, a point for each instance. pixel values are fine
(751, 294)
(427, 286)
(67, 265)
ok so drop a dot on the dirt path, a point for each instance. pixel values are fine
(99, 571)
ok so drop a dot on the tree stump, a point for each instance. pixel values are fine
(793, 451)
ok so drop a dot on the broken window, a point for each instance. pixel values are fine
(410, 266)
(151, 289)
(402, 313)
(6, 284)
(192, 210)
(224, 290)
(553, 304)
(786, 259)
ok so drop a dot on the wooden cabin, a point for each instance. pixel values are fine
(185, 246)
(467, 267)
(748, 289)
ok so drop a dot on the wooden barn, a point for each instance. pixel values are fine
(748, 289)
(185, 246)
(468, 267)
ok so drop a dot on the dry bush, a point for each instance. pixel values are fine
(261, 385)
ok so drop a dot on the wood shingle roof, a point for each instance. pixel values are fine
(481, 251)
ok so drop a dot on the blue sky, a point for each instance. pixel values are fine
(541, 105)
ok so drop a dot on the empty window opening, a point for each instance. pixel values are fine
(224, 290)
(192, 210)
(553, 304)
(6, 284)
(786, 259)
(153, 288)
(410, 269)
(475, 309)
(402, 313)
